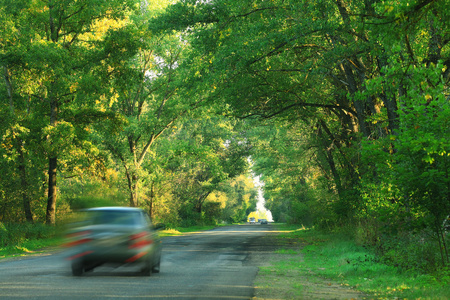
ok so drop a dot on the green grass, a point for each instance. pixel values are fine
(286, 251)
(30, 247)
(184, 230)
(23, 239)
(338, 258)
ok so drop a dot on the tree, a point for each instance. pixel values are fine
(206, 154)
(51, 61)
(241, 198)
(347, 70)
(149, 91)
(262, 67)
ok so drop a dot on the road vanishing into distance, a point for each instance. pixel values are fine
(214, 264)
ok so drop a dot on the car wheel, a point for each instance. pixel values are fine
(77, 268)
(147, 269)
(156, 267)
(89, 269)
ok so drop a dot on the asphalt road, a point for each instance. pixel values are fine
(214, 264)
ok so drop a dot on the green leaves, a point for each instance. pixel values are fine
(355, 96)
(51, 56)
(60, 137)
(354, 79)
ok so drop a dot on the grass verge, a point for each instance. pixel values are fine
(327, 259)
(185, 230)
(25, 239)
(30, 247)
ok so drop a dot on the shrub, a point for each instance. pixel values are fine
(12, 234)
(411, 251)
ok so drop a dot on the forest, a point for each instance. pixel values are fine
(341, 107)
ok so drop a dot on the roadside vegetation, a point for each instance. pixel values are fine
(26, 239)
(323, 258)
(23, 239)
(305, 258)
(340, 108)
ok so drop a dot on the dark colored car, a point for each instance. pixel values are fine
(121, 235)
(264, 221)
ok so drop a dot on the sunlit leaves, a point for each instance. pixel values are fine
(52, 54)
(347, 69)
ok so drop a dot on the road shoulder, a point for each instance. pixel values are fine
(276, 279)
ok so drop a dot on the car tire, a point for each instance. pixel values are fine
(156, 267)
(77, 268)
(147, 269)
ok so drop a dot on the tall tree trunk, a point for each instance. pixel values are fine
(51, 198)
(152, 196)
(19, 143)
(24, 183)
(132, 186)
(359, 105)
(52, 155)
(327, 148)
(134, 201)
(52, 164)
(9, 88)
(389, 102)
(199, 205)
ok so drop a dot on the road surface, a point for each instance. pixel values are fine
(213, 264)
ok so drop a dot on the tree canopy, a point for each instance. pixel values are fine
(342, 107)
(350, 98)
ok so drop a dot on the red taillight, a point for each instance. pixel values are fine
(77, 238)
(140, 240)
(136, 257)
(79, 255)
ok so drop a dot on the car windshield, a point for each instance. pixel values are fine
(114, 217)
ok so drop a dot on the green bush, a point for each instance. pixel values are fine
(12, 235)
(418, 251)
(407, 249)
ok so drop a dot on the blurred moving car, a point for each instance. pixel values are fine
(252, 220)
(263, 221)
(121, 235)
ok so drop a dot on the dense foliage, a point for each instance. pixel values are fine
(349, 102)
(89, 96)
(343, 107)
